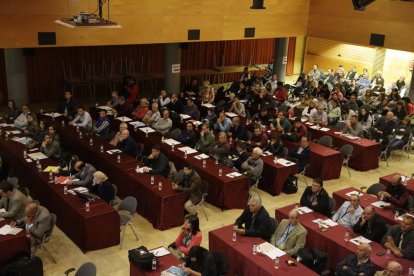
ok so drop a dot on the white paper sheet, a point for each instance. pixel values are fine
(185, 116)
(53, 114)
(270, 250)
(147, 129)
(231, 114)
(324, 129)
(201, 156)
(171, 141)
(160, 251)
(113, 151)
(37, 155)
(105, 107)
(285, 162)
(208, 105)
(137, 124)
(354, 193)
(124, 119)
(233, 174)
(2, 210)
(381, 204)
(188, 149)
(360, 239)
(304, 210)
(8, 230)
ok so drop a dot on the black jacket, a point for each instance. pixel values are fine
(322, 199)
(129, 146)
(351, 262)
(302, 158)
(105, 191)
(160, 165)
(70, 106)
(262, 226)
(239, 133)
(407, 245)
(374, 232)
(241, 157)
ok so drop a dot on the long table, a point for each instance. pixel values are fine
(72, 218)
(386, 180)
(163, 263)
(163, 208)
(243, 262)
(13, 246)
(274, 175)
(333, 242)
(324, 162)
(365, 200)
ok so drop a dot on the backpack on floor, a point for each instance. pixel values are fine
(291, 185)
(23, 266)
(313, 258)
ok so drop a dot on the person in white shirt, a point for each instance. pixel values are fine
(21, 120)
(349, 213)
(83, 119)
(273, 84)
(319, 116)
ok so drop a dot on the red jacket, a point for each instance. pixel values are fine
(195, 241)
(280, 94)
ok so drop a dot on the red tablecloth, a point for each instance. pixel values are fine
(365, 200)
(80, 226)
(164, 263)
(13, 246)
(333, 242)
(324, 162)
(243, 262)
(366, 152)
(274, 175)
(153, 204)
(388, 179)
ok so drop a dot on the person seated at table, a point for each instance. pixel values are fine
(189, 236)
(276, 145)
(223, 123)
(238, 131)
(191, 185)
(211, 117)
(127, 144)
(102, 187)
(393, 269)
(383, 128)
(395, 193)
(370, 225)
(281, 123)
(316, 198)
(290, 235)
(238, 107)
(262, 117)
(32, 129)
(259, 138)
(253, 166)
(141, 110)
(301, 154)
(308, 110)
(12, 201)
(84, 172)
(191, 109)
(296, 131)
(207, 93)
(200, 262)
(280, 93)
(122, 108)
(334, 113)
(239, 156)
(358, 263)
(176, 103)
(11, 112)
(67, 106)
(402, 136)
(83, 119)
(114, 99)
(163, 100)
(51, 131)
(353, 127)
(400, 238)
(115, 140)
(256, 220)
(321, 101)
(349, 212)
(51, 148)
(206, 140)
(192, 89)
(163, 124)
(157, 163)
(319, 116)
(188, 136)
(152, 116)
(101, 126)
(37, 220)
(21, 120)
(221, 148)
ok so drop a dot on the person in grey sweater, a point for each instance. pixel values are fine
(50, 147)
(253, 166)
(353, 127)
(164, 124)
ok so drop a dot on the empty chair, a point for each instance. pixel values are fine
(87, 269)
(407, 147)
(204, 190)
(302, 173)
(116, 199)
(141, 151)
(340, 126)
(46, 238)
(325, 141)
(175, 134)
(285, 152)
(126, 210)
(346, 151)
(173, 171)
(383, 156)
(332, 205)
(410, 203)
(375, 188)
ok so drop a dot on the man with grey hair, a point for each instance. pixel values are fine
(358, 263)
(349, 212)
(256, 220)
(290, 235)
(152, 116)
(393, 269)
(253, 166)
(163, 124)
(400, 238)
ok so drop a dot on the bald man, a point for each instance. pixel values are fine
(383, 128)
(127, 145)
(393, 269)
(221, 148)
(37, 220)
(290, 235)
(370, 225)
(358, 263)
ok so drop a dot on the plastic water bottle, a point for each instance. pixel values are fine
(388, 253)
(91, 142)
(216, 161)
(162, 139)
(411, 271)
(50, 176)
(234, 236)
(220, 172)
(146, 132)
(277, 263)
(118, 158)
(154, 263)
(27, 231)
(77, 129)
(102, 149)
(96, 104)
(65, 190)
(152, 180)
(39, 167)
(87, 206)
(24, 154)
(185, 154)
(80, 134)
(396, 215)
(63, 123)
(172, 147)
(41, 111)
(275, 160)
(204, 163)
(160, 185)
(254, 249)
(346, 236)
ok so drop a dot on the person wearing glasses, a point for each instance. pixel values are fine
(349, 213)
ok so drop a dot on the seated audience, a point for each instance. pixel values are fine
(191, 185)
(400, 238)
(383, 128)
(51, 148)
(163, 124)
(349, 212)
(259, 138)
(353, 127)
(188, 135)
(206, 138)
(152, 116)
(176, 104)
(191, 109)
(297, 131)
(192, 89)
(238, 131)
(12, 201)
(239, 156)
(262, 117)
(115, 140)
(189, 236)
(253, 166)
(102, 187)
(280, 93)
(309, 110)
(84, 172)
(399, 110)
(157, 163)
(290, 235)
(101, 126)
(211, 117)
(223, 123)
(52, 133)
(370, 225)
(122, 108)
(207, 93)
(316, 198)
(256, 220)
(67, 106)
(346, 113)
(114, 99)
(238, 107)
(11, 112)
(334, 113)
(358, 263)
(83, 119)
(395, 193)
(141, 110)
(221, 148)
(163, 100)
(275, 146)
(365, 119)
(200, 262)
(402, 136)
(32, 129)
(21, 120)
(127, 144)
(393, 269)
(281, 123)
(319, 116)
(301, 154)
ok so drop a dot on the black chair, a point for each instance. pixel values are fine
(175, 134)
(340, 126)
(46, 238)
(325, 141)
(346, 151)
(87, 269)
(332, 205)
(204, 190)
(375, 188)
